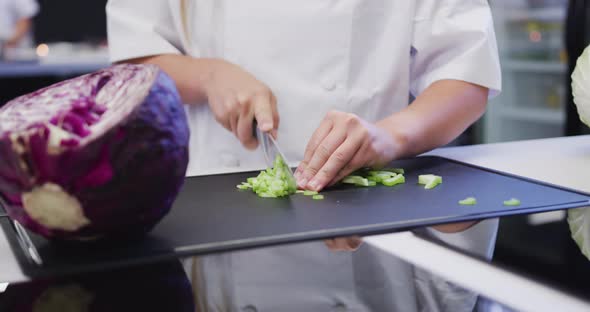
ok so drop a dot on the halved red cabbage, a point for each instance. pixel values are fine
(102, 154)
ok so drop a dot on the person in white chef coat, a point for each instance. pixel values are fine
(16, 22)
(333, 81)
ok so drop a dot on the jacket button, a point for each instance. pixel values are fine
(249, 308)
(329, 85)
(229, 160)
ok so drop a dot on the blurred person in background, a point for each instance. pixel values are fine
(16, 22)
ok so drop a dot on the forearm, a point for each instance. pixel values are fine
(188, 73)
(440, 114)
(436, 117)
(20, 30)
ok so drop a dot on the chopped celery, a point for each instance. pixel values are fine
(244, 186)
(382, 173)
(299, 192)
(367, 177)
(398, 179)
(512, 202)
(309, 193)
(272, 182)
(373, 179)
(318, 197)
(356, 180)
(429, 180)
(394, 170)
(468, 201)
(379, 176)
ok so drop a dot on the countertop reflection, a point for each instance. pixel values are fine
(157, 287)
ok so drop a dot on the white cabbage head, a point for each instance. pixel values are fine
(581, 86)
(579, 219)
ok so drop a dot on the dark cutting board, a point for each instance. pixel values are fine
(211, 215)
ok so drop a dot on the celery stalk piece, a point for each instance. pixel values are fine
(394, 170)
(356, 180)
(372, 183)
(468, 201)
(373, 179)
(272, 182)
(429, 181)
(379, 175)
(244, 186)
(512, 202)
(398, 179)
(299, 192)
(309, 193)
(318, 197)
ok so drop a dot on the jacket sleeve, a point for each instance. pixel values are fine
(141, 28)
(454, 39)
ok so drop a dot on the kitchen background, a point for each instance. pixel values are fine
(539, 40)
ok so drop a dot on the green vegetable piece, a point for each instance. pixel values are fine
(372, 183)
(356, 180)
(309, 193)
(299, 192)
(394, 170)
(318, 197)
(468, 201)
(373, 179)
(512, 202)
(398, 179)
(382, 173)
(244, 186)
(429, 181)
(272, 182)
(379, 176)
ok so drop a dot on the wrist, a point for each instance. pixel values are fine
(400, 138)
(205, 69)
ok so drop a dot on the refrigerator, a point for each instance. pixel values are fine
(538, 43)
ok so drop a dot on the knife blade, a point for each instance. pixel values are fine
(271, 151)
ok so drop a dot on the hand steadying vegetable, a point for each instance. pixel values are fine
(343, 143)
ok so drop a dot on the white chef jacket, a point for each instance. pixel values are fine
(364, 57)
(12, 11)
